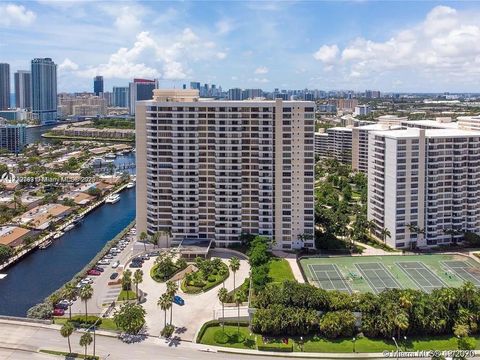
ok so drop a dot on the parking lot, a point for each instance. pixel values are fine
(103, 293)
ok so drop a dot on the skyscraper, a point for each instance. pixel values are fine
(23, 95)
(120, 96)
(141, 89)
(216, 169)
(13, 137)
(4, 86)
(44, 89)
(98, 85)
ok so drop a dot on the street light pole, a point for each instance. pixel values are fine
(354, 339)
(398, 349)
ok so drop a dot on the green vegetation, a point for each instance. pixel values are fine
(212, 334)
(51, 135)
(279, 270)
(79, 322)
(210, 273)
(68, 355)
(292, 309)
(346, 266)
(126, 295)
(5, 253)
(113, 124)
(165, 268)
(130, 318)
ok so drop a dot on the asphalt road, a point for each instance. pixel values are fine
(18, 342)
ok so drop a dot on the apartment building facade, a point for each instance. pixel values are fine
(423, 185)
(335, 142)
(217, 169)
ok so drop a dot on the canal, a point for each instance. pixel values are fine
(40, 273)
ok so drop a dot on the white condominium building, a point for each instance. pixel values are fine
(423, 185)
(216, 169)
(336, 142)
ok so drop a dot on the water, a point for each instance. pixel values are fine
(39, 274)
(35, 133)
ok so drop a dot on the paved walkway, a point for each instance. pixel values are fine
(198, 308)
(292, 261)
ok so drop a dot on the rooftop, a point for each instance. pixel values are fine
(9, 234)
(429, 133)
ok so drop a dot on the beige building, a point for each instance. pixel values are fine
(216, 169)
(13, 236)
(81, 105)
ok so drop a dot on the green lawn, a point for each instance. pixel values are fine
(248, 340)
(199, 283)
(279, 270)
(70, 355)
(126, 295)
(107, 323)
(317, 344)
(348, 270)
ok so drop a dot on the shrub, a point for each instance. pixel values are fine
(79, 321)
(40, 311)
(167, 331)
(337, 323)
(212, 278)
(274, 345)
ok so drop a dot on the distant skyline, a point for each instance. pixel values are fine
(392, 46)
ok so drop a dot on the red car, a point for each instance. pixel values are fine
(58, 312)
(94, 272)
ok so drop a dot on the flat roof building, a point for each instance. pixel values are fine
(216, 169)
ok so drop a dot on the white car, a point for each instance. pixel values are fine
(115, 264)
(104, 262)
(87, 280)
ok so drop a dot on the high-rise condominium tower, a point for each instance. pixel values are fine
(217, 169)
(4, 86)
(141, 89)
(44, 89)
(23, 92)
(98, 85)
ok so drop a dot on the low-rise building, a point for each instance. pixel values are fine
(40, 217)
(94, 133)
(13, 236)
(80, 198)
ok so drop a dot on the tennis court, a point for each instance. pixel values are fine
(361, 274)
(378, 277)
(328, 277)
(464, 271)
(423, 277)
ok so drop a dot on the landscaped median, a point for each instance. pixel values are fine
(68, 355)
(243, 338)
(210, 274)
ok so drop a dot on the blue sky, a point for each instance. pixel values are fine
(386, 45)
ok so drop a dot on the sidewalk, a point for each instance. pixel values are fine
(292, 261)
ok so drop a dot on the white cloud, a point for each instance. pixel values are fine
(15, 15)
(326, 53)
(259, 80)
(261, 70)
(127, 17)
(445, 44)
(68, 65)
(171, 54)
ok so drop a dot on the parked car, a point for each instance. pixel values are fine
(108, 257)
(61, 305)
(87, 280)
(178, 300)
(135, 264)
(58, 312)
(138, 259)
(98, 268)
(145, 257)
(115, 264)
(94, 272)
(113, 276)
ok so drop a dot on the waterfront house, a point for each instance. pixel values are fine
(80, 198)
(13, 236)
(40, 217)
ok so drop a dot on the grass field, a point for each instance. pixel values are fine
(279, 270)
(318, 344)
(375, 273)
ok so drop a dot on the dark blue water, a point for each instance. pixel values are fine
(39, 274)
(35, 133)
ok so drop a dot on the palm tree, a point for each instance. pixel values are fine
(154, 239)
(401, 323)
(137, 279)
(67, 330)
(85, 340)
(223, 297)
(69, 293)
(385, 233)
(468, 291)
(127, 282)
(234, 266)
(143, 238)
(165, 303)
(86, 294)
(237, 297)
(172, 289)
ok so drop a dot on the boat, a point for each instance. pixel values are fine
(3, 276)
(110, 156)
(130, 185)
(112, 199)
(57, 234)
(45, 244)
(77, 219)
(69, 227)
